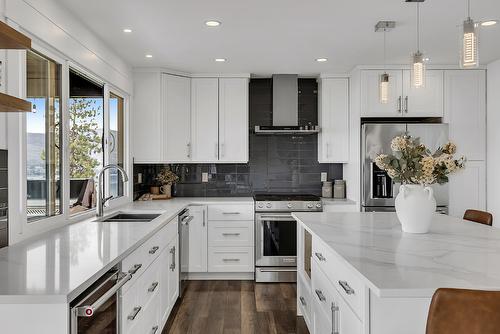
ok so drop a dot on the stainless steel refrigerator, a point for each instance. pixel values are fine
(378, 191)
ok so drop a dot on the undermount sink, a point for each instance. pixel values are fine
(130, 217)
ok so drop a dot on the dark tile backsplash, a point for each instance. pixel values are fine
(277, 164)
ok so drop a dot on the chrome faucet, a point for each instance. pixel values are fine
(100, 200)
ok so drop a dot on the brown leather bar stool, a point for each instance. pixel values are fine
(480, 217)
(458, 311)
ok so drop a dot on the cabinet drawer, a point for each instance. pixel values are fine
(230, 233)
(346, 282)
(230, 259)
(147, 320)
(321, 293)
(230, 212)
(304, 298)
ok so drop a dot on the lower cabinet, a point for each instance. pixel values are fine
(147, 302)
(198, 232)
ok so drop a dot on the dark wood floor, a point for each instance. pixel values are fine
(233, 307)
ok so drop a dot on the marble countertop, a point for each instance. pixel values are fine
(455, 253)
(337, 201)
(56, 266)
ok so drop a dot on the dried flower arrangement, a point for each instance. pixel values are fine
(413, 163)
(166, 177)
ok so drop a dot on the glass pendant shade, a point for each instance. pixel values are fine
(469, 54)
(384, 88)
(418, 70)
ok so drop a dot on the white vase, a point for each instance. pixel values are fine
(415, 207)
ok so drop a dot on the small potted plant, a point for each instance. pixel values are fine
(414, 166)
(166, 178)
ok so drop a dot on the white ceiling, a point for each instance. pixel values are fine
(281, 36)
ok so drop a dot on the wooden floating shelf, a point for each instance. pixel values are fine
(10, 38)
(9, 103)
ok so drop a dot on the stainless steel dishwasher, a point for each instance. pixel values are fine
(184, 219)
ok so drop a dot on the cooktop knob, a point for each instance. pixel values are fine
(309, 206)
(260, 205)
(268, 205)
(318, 205)
(289, 205)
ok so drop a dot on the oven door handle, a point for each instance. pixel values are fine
(88, 310)
(276, 217)
(276, 270)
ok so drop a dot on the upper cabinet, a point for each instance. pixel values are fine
(205, 119)
(404, 99)
(333, 140)
(233, 120)
(465, 111)
(177, 119)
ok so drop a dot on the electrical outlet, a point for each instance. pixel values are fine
(139, 178)
(204, 177)
(324, 176)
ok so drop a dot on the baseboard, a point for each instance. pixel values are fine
(221, 276)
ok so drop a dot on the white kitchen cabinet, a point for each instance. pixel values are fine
(198, 238)
(205, 119)
(468, 189)
(370, 98)
(426, 101)
(173, 272)
(333, 140)
(233, 120)
(146, 119)
(404, 99)
(465, 111)
(176, 114)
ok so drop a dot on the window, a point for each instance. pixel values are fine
(86, 116)
(116, 143)
(43, 128)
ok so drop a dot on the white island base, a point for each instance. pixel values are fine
(358, 273)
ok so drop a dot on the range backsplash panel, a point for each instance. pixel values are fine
(277, 164)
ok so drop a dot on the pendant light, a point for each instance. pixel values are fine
(384, 26)
(418, 65)
(469, 55)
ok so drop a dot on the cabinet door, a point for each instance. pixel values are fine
(146, 124)
(333, 140)
(176, 118)
(165, 307)
(465, 111)
(233, 120)
(370, 98)
(204, 119)
(173, 273)
(468, 189)
(198, 233)
(426, 101)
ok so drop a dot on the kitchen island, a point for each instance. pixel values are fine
(366, 276)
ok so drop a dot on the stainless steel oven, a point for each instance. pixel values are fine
(96, 311)
(276, 235)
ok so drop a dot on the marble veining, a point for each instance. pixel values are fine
(456, 253)
(56, 266)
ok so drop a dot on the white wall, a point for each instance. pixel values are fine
(493, 141)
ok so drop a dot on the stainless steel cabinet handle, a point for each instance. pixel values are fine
(320, 256)
(154, 330)
(134, 313)
(154, 249)
(406, 104)
(320, 295)
(222, 150)
(135, 268)
(347, 288)
(227, 234)
(188, 150)
(327, 150)
(399, 104)
(335, 319)
(186, 220)
(302, 301)
(153, 286)
(172, 251)
(231, 213)
(231, 260)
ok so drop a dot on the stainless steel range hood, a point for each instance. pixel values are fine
(285, 108)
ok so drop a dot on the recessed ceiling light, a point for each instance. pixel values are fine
(321, 60)
(426, 59)
(149, 56)
(212, 23)
(127, 30)
(489, 23)
(220, 60)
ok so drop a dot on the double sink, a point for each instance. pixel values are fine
(129, 217)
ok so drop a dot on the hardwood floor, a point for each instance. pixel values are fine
(233, 307)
